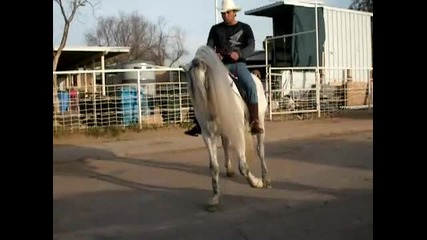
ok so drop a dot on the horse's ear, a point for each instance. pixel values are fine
(195, 62)
(186, 67)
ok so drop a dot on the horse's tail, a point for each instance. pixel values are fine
(197, 90)
(228, 109)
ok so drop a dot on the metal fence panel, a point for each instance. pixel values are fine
(292, 93)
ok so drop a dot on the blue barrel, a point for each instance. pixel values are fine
(64, 100)
(129, 96)
(127, 102)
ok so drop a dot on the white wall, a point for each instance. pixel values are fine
(348, 44)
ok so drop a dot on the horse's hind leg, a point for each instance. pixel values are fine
(228, 166)
(261, 155)
(213, 166)
(244, 170)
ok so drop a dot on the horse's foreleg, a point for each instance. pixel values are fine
(213, 166)
(261, 155)
(244, 170)
(228, 166)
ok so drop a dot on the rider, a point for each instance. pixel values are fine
(234, 41)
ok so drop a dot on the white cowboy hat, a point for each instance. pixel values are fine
(229, 5)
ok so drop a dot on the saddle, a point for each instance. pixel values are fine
(239, 86)
(241, 90)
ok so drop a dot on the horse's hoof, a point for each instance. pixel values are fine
(213, 204)
(267, 183)
(230, 174)
(260, 185)
(212, 207)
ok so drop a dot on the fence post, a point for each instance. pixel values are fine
(138, 87)
(322, 75)
(94, 98)
(318, 92)
(103, 74)
(349, 76)
(270, 111)
(369, 89)
(180, 96)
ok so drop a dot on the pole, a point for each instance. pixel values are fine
(138, 87)
(266, 57)
(269, 95)
(103, 74)
(317, 38)
(180, 96)
(94, 98)
(216, 10)
(317, 61)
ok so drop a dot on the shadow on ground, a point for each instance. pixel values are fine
(331, 151)
(355, 114)
(158, 212)
(161, 213)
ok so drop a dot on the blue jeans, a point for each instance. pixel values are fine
(245, 79)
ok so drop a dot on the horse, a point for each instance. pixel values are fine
(222, 113)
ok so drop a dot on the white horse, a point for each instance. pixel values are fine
(222, 112)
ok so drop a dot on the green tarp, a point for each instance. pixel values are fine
(304, 46)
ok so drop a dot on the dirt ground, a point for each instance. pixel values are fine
(83, 139)
(322, 190)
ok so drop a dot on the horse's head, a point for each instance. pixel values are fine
(207, 66)
(199, 68)
(197, 63)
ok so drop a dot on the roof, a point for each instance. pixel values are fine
(73, 57)
(258, 55)
(134, 63)
(272, 9)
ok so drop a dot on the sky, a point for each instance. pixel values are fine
(194, 17)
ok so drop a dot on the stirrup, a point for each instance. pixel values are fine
(194, 132)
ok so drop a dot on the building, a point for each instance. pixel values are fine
(343, 36)
(84, 58)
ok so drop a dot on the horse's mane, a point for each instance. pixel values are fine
(213, 96)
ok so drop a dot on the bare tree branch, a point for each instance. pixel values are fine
(74, 6)
(362, 5)
(147, 41)
(177, 47)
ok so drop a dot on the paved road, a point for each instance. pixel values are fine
(322, 189)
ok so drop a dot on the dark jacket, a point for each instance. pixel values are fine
(225, 39)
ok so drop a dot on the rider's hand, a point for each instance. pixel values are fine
(234, 55)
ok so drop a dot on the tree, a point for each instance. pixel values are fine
(362, 5)
(74, 6)
(367, 6)
(147, 41)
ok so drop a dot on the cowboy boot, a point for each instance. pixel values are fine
(254, 120)
(195, 131)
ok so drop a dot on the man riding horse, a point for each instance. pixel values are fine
(234, 41)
